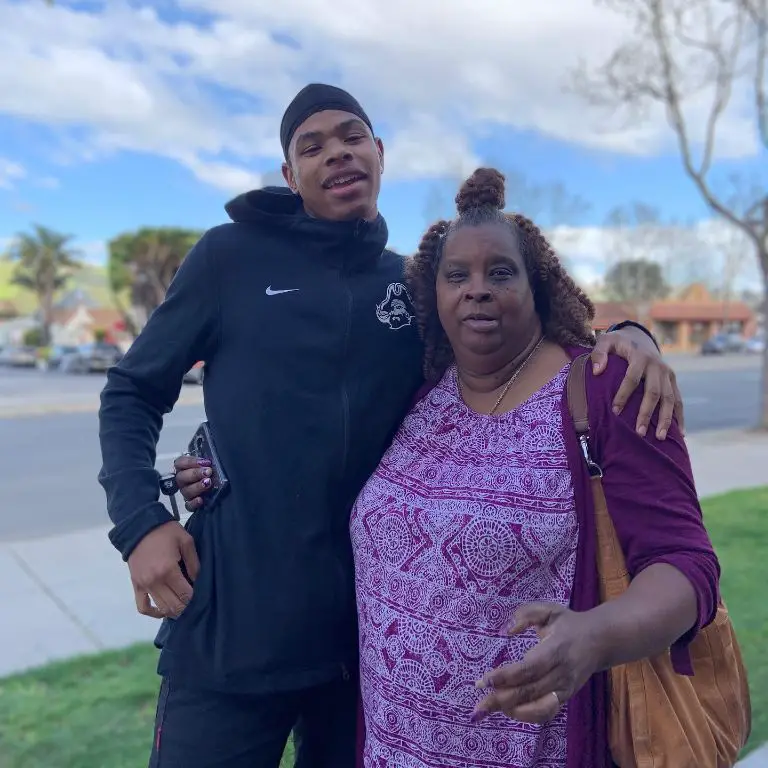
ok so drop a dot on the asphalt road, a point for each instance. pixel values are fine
(49, 463)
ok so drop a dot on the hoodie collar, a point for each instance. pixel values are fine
(355, 245)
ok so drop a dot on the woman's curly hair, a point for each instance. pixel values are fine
(564, 310)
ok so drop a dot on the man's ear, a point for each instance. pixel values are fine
(380, 148)
(290, 178)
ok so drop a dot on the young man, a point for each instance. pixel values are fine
(312, 359)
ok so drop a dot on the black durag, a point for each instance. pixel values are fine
(313, 98)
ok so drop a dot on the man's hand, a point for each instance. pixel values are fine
(155, 571)
(645, 362)
(193, 476)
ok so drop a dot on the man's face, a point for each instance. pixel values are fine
(335, 165)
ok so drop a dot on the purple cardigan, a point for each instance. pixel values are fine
(651, 495)
(654, 506)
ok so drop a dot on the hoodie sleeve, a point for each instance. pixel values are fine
(144, 386)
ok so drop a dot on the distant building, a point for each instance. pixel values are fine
(80, 324)
(12, 331)
(685, 322)
(608, 313)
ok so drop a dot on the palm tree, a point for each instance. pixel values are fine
(44, 262)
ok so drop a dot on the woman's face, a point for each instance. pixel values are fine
(484, 299)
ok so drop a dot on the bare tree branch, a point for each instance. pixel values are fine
(692, 49)
(758, 11)
(683, 48)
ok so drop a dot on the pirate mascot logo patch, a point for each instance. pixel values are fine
(396, 310)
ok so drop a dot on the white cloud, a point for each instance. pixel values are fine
(710, 251)
(224, 176)
(210, 94)
(10, 173)
(428, 149)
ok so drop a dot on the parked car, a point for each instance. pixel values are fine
(755, 345)
(58, 352)
(722, 343)
(19, 357)
(91, 358)
(195, 374)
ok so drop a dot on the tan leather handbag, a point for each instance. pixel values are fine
(657, 718)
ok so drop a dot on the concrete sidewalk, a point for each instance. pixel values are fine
(71, 594)
(17, 406)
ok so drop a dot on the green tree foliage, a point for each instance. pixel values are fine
(44, 261)
(635, 281)
(143, 263)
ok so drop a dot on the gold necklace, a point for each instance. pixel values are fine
(509, 383)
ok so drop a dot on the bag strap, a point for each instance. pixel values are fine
(576, 391)
(611, 565)
(578, 405)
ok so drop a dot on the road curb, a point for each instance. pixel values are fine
(47, 409)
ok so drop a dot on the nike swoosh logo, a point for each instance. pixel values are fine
(271, 292)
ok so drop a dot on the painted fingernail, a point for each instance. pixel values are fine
(203, 462)
(206, 482)
(207, 472)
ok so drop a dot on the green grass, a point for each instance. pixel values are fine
(738, 525)
(98, 711)
(90, 712)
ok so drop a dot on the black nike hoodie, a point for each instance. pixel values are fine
(312, 359)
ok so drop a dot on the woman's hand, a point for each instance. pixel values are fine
(568, 654)
(645, 363)
(193, 476)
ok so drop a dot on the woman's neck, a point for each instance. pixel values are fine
(483, 376)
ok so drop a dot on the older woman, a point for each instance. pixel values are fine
(473, 534)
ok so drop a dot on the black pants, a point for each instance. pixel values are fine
(204, 729)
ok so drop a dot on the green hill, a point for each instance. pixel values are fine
(90, 279)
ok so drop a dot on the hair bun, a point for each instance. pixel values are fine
(483, 189)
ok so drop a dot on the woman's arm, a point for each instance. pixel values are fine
(651, 495)
(659, 607)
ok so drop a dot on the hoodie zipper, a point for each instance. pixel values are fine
(343, 576)
(359, 232)
(344, 388)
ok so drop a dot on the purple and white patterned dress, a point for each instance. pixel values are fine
(467, 517)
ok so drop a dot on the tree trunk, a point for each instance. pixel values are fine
(46, 307)
(130, 324)
(763, 420)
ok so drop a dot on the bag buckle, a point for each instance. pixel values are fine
(595, 470)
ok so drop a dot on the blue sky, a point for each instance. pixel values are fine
(129, 114)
